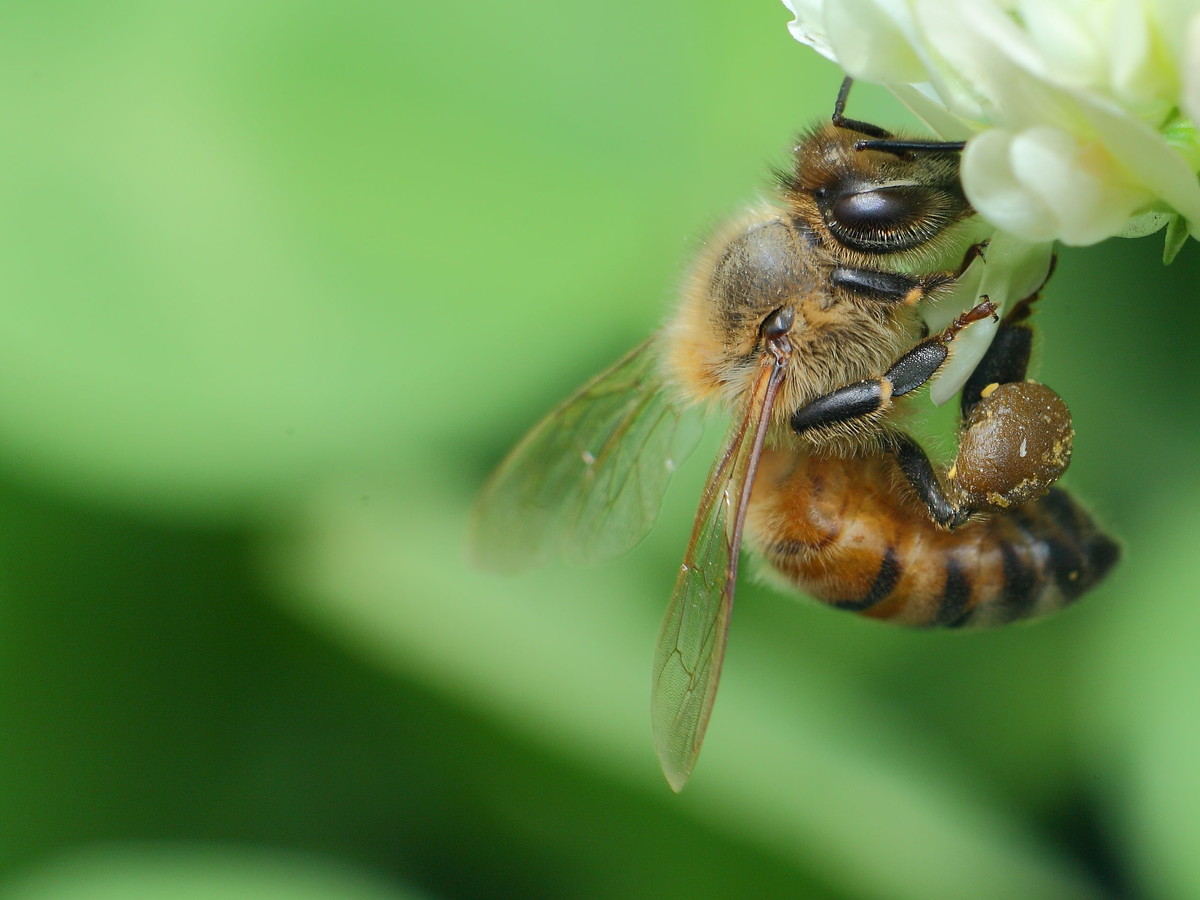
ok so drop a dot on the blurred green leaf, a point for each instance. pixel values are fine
(1176, 236)
(1140, 681)
(794, 763)
(181, 872)
(295, 274)
(245, 247)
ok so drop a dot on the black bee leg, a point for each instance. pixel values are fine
(839, 107)
(1007, 359)
(889, 288)
(920, 474)
(892, 288)
(870, 398)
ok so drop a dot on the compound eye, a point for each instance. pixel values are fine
(883, 208)
(889, 219)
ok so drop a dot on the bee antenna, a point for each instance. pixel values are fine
(899, 148)
(840, 120)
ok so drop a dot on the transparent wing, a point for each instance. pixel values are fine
(588, 481)
(691, 644)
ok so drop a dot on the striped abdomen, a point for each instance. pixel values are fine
(851, 533)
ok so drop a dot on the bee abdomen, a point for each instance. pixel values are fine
(841, 531)
(1066, 546)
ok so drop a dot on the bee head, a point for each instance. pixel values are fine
(871, 201)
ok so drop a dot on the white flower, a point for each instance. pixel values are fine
(1078, 114)
(1074, 109)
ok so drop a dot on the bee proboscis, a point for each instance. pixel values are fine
(802, 318)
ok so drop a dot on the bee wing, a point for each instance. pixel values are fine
(691, 644)
(588, 480)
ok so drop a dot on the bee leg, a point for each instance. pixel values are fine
(973, 252)
(1016, 438)
(889, 288)
(920, 474)
(870, 398)
(892, 288)
(1007, 359)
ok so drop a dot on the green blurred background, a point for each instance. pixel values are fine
(281, 281)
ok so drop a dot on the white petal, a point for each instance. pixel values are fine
(996, 192)
(808, 26)
(990, 56)
(1044, 184)
(1079, 183)
(873, 39)
(1191, 69)
(1012, 270)
(1143, 75)
(1170, 24)
(921, 101)
(1075, 90)
(968, 349)
(1151, 163)
(1071, 39)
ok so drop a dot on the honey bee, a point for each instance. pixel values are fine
(802, 319)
